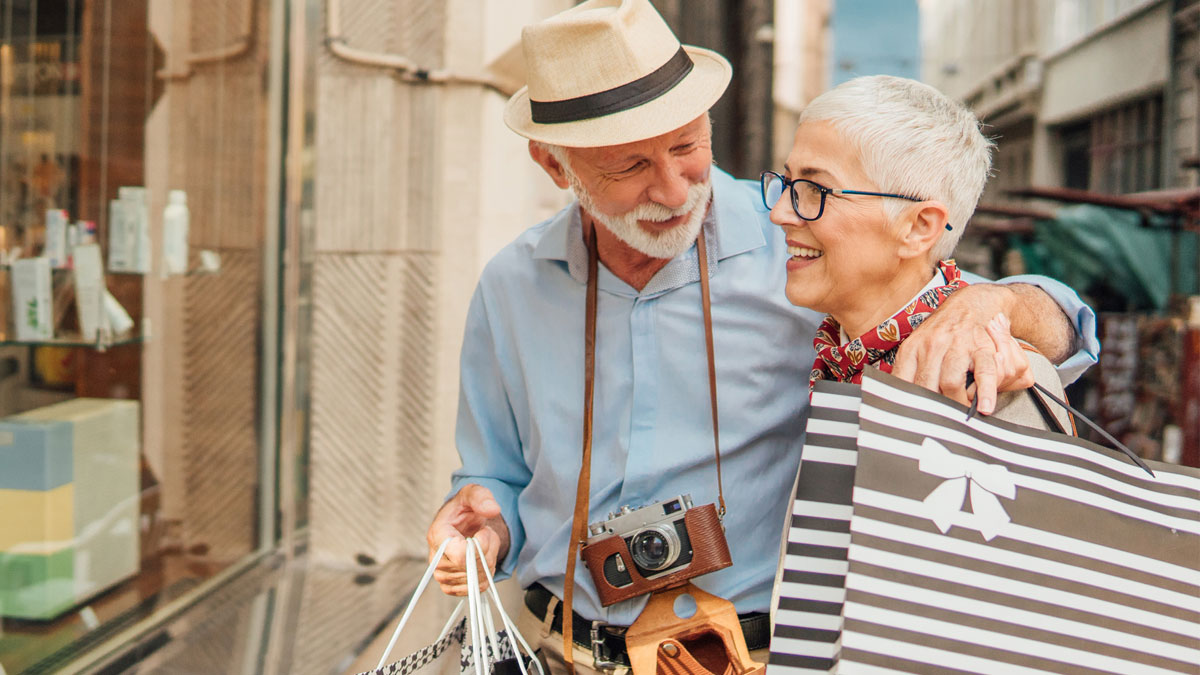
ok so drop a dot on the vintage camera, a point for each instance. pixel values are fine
(647, 549)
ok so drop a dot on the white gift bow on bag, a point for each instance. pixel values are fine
(479, 612)
(987, 481)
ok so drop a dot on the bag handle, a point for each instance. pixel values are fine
(1120, 446)
(485, 612)
(514, 636)
(476, 620)
(974, 409)
(412, 603)
(479, 611)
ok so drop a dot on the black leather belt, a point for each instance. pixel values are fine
(607, 643)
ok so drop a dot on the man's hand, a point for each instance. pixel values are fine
(472, 512)
(956, 339)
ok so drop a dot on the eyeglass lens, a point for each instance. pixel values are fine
(805, 196)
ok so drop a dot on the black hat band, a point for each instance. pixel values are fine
(624, 97)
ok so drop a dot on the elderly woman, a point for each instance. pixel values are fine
(882, 177)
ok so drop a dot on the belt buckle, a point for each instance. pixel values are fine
(599, 659)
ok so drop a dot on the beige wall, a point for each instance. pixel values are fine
(417, 186)
(966, 43)
(1184, 118)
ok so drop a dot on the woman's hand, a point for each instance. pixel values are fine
(1012, 365)
(957, 339)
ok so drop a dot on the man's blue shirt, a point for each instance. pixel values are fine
(519, 430)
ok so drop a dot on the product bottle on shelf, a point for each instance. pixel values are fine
(56, 247)
(175, 234)
(129, 231)
(31, 299)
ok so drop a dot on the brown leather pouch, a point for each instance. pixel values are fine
(709, 642)
(710, 552)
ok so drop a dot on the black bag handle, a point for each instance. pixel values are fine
(1078, 415)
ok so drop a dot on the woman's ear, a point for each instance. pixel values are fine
(926, 223)
(549, 164)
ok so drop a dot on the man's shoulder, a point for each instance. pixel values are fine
(742, 217)
(517, 258)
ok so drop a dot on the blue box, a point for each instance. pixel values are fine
(36, 456)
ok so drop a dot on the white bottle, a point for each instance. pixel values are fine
(175, 233)
(31, 299)
(56, 238)
(129, 232)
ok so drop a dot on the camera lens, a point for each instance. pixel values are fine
(652, 549)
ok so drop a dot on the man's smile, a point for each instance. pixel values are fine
(661, 225)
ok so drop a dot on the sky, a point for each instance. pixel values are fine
(875, 37)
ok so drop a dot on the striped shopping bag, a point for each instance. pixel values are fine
(921, 541)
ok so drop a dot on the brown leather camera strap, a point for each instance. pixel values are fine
(582, 489)
(702, 253)
(579, 521)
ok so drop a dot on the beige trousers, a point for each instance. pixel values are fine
(549, 647)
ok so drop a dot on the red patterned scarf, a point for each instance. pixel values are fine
(845, 363)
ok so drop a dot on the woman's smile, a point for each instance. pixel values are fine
(801, 255)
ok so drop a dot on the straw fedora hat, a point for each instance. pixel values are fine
(607, 72)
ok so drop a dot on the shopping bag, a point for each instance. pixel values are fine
(921, 540)
(428, 655)
(483, 649)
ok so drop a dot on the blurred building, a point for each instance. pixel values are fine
(1095, 109)
(293, 386)
(1097, 95)
(801, 62)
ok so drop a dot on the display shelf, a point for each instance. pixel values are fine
(193, 272)
(99, 344)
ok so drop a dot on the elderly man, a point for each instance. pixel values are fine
(616, 110)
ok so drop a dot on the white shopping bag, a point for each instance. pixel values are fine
(484, 649)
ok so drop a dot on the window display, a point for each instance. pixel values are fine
(71, 469)
(137, 322)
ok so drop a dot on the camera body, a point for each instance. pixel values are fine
(657, 546)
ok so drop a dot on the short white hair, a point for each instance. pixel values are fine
(558, 152)
(912, 140)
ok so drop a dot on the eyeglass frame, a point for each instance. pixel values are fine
(789, 186)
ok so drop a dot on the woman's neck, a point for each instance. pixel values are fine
(885, 302)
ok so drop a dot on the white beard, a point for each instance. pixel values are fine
(625, 226)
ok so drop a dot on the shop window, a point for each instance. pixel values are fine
(1117, 151)
(1076, 159)
(134, 153)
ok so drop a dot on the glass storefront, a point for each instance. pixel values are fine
(142, 258)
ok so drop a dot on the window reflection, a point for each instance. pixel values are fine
(130, 409)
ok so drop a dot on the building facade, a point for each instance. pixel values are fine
(1093, 101)
(1096, 95)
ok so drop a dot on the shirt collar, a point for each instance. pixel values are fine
(728, 228)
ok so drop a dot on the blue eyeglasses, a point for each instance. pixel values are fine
(808, 198)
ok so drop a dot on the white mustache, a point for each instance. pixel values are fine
(655, 212)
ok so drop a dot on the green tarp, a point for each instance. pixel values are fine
(1111, 255)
